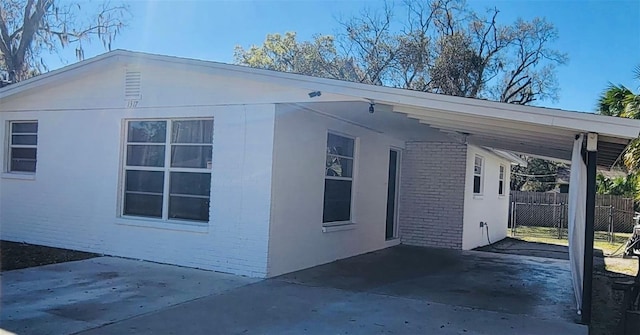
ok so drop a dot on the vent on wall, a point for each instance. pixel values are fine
(132, 81)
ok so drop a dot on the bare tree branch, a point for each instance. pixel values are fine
(28, 27)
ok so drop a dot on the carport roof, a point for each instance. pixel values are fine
(529, 130)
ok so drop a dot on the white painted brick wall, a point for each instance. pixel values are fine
(432, 194)
(297, 240)
(72, 202)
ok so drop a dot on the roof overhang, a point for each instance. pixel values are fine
(535, 131)
(540, 134)
(511, 157)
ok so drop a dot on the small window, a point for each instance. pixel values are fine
(501, 180)
(477, 175)
(338, 179)
(167, 172)
(23, 146)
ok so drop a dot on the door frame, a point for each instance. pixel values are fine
(395, 234)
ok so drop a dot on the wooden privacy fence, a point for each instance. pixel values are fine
(614, 214)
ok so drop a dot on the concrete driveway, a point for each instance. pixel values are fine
(70, 297)
(400, 290)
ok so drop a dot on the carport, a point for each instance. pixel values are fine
(546, 133)
(549, 134)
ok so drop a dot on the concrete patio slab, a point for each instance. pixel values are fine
(277, 307)
(514, 284)
(400, 290)
(70, 297)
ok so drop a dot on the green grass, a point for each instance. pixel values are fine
(550, 236)
(601, 241)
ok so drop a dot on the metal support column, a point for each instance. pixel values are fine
(587, 285)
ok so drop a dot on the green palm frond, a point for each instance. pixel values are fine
(631, 104)
(612, 100)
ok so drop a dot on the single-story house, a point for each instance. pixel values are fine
(260, 173)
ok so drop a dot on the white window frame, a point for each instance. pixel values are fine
(354, 165)
(167, 169)
(502, 171)
(10, 146)
(481, 175)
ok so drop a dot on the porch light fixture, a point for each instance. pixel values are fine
(371, 108)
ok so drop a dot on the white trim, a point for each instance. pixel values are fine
(352, 179)
(166, 169)
(17, 175)
(511, 157)
(501, 178)
(176, 225)
(478, 195)
(9, 145)
(392, 242)
(341, 227)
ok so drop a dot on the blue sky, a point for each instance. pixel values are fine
(601, 38)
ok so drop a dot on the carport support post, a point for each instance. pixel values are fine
(587, 284)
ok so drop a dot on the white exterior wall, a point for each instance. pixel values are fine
(73, 200)
(488, 207)
(267, 178)
(297, 240)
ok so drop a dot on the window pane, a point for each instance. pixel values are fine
(147, 131)
(477, 167)
(24, 127)
(24, 139)
(23, 165)
(337, 200)
(339, 167)
(476, 184)
(339, 145)
(501, 187)
(189, 208)
(190, 183)
(191, 156)
(192, 131)
(23, 153)
(144, 181)
(23, 159)
(143, 205)
(145, 155)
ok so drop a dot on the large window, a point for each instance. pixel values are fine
(23, 146)
(338, 180)
(167, 172)
(501, 180)
(477, 175)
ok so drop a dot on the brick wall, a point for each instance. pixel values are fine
(432, 194)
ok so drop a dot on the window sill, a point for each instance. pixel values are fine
(158, 224)
(478, 196)
(23, 176)
(338, 227)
